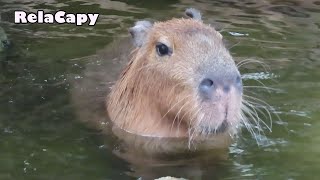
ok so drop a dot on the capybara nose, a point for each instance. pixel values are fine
(208, 86)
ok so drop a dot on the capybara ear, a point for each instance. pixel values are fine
(139, 32)
(193, 13)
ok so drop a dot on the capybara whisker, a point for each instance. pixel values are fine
(256, 119)
(234, 45)
(262, 87)
(171, 108)
(177, 116)
(181, 119)
(266, 107)
(247, 61)
(258, 109)
(248, 127)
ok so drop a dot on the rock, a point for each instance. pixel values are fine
(4, 42)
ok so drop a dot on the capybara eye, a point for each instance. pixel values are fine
(162, 49)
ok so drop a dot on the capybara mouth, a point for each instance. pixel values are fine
(219, 130)
(220, 112)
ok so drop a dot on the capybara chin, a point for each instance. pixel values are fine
(180, 81)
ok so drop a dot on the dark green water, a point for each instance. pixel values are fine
(41, 138)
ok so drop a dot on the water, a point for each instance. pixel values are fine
(41, 138)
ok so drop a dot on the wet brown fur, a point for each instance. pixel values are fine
(143, 99)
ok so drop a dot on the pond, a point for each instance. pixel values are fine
(41, 137)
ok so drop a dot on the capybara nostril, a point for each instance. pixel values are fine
(226, 88)
(238, 83)
(206, 87)
(207, 83)
(238, 80)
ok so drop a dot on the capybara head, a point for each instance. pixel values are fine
(181, 81)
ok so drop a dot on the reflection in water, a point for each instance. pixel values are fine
(152, 162)
(42, 138)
